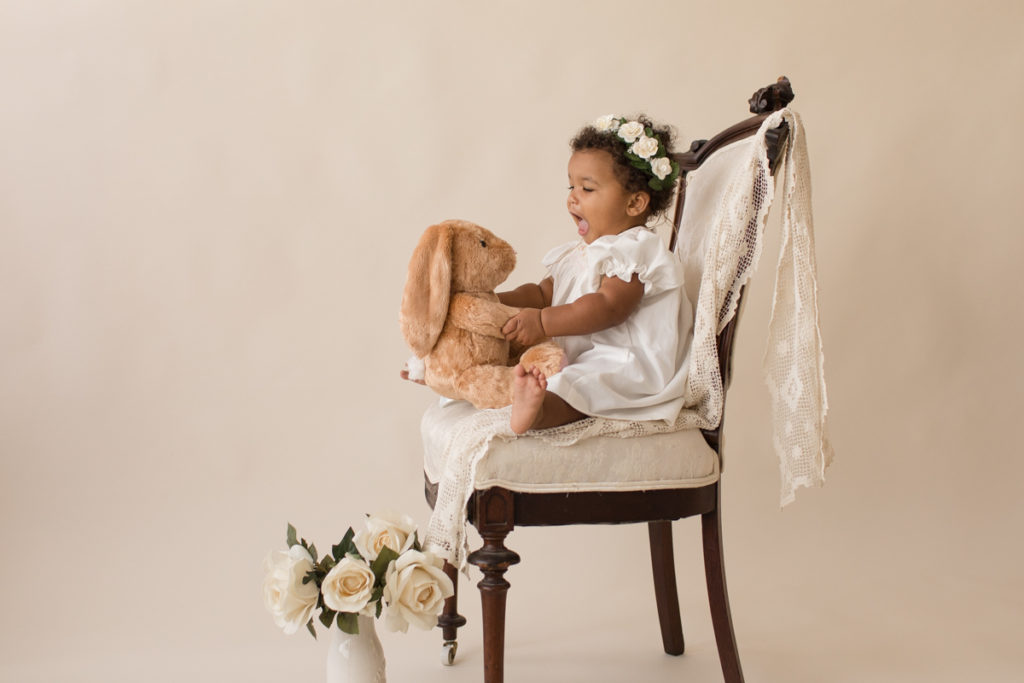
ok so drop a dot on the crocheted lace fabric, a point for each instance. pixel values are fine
(793, 360)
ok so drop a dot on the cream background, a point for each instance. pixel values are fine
(206, 210)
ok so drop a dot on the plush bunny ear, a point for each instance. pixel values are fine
(427, 289)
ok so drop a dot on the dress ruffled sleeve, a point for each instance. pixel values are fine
(636, 252)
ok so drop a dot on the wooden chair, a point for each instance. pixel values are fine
(496, 511)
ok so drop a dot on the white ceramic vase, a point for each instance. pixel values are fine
(356, 658)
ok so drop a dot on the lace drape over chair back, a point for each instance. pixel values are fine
(720, 244)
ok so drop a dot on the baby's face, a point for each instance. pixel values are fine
(597, 202)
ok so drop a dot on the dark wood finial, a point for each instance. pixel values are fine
(773, 97)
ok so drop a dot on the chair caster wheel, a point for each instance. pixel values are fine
(448, 651)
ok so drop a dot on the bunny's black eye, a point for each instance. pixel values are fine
(482, 243)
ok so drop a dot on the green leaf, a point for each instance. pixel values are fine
(380, 606)
(327, 617)
(292, 536)
(309, 625)
(348, 622)
(312, 550)
(346, 546)
(380, 565)
(416, 541)
(327, 563)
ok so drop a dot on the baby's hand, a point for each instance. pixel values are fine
(525, 327)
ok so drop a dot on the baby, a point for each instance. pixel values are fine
(613, 299)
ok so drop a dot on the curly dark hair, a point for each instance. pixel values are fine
(632, 178)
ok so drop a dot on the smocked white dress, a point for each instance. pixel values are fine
(635, 370)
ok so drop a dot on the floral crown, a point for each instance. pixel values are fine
(645, 151)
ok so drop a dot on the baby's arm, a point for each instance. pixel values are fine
(612, 303)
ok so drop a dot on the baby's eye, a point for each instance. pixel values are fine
(482, 243)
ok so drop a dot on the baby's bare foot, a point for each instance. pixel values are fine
(528, 388)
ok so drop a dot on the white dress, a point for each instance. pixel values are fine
(635, 370)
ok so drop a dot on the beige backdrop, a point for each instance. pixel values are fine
(206, 211)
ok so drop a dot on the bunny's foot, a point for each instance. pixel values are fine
(546, 356)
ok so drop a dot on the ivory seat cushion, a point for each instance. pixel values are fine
(604, 463)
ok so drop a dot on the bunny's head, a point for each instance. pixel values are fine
(453, 256)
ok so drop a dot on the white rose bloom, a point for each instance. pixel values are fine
(631, 131)
(661, 167)
(286, 597)
(385, 529)
(606, 122)
(415, 590)
(645, 147)
(348, 586)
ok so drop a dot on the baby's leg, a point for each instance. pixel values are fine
(533, 406)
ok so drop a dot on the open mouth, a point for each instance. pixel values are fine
(582, 226)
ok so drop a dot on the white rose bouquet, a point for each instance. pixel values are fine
(381, 568)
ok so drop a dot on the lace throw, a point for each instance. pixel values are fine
(793, 360)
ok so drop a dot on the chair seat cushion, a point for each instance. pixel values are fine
(680, 459)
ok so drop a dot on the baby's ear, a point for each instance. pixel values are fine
(638, 203)
(427, 289)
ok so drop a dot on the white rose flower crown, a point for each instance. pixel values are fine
(645, 150)
(382, 569)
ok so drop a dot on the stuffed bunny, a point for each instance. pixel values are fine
(452, 319)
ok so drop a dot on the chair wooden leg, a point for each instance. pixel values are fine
(494, 521)
(450, 620)
(718, 596)
(665, 594)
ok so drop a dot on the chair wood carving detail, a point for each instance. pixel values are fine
(496, 511)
